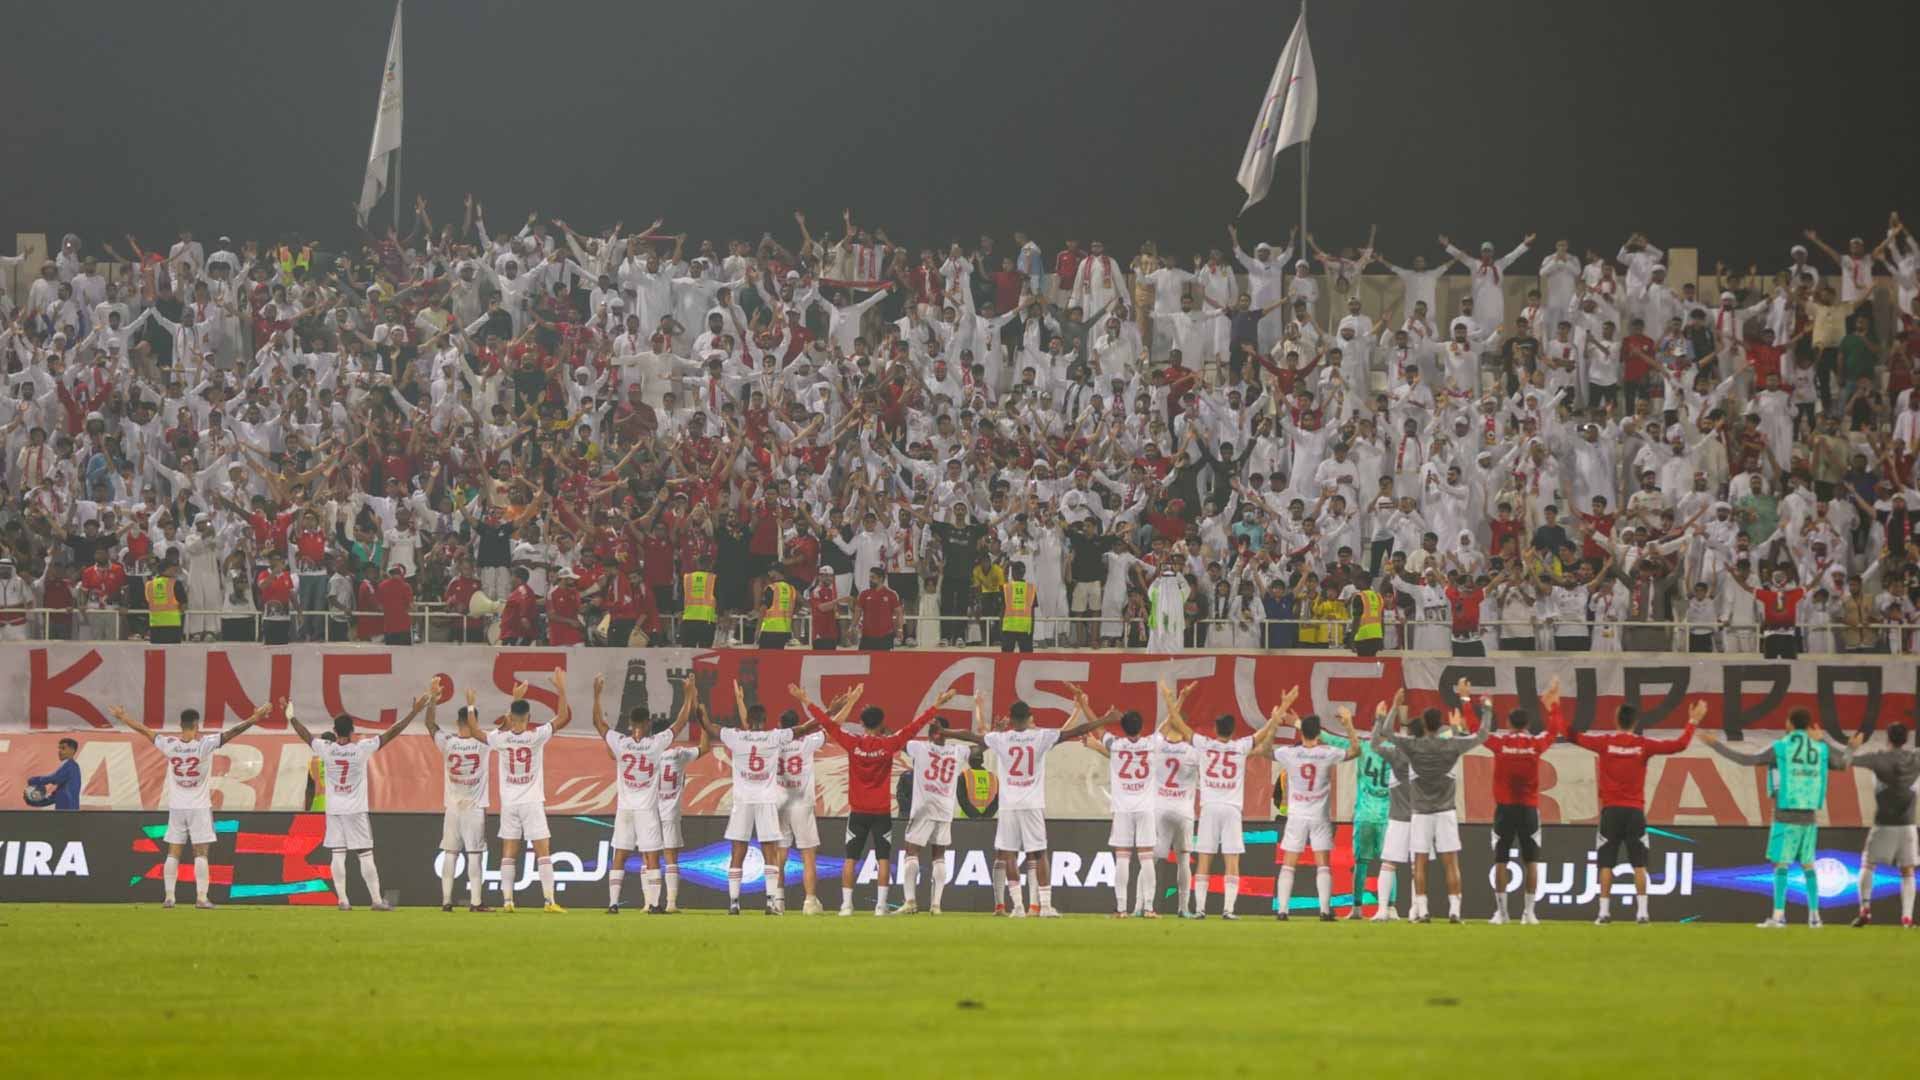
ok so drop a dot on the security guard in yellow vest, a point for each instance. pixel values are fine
(777, 602)
(697, 612)
(165, 606)
(1368, 614)
(1016, 612)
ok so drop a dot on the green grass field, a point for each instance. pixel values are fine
(136, 991)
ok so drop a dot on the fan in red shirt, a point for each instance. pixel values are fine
(458, 595)
(1623, 797)
(519, 616)
(395, 598)
(1780, 617)
(1516, 795)
(869, 782)
(370, 623)
(879, 608)
(563, 611)
(823, 610)
(1464, 600)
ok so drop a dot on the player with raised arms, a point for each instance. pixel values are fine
(870, 754)
(1130, 795)
(637, 753)
(344, 761)
(189, 760)
(755, 817)
(1516, 797)
(672, 785)
(1893, 840)
(1435, 825)
(798, 810)
(1176, 779)
(1020, 765)
(1310, 766)
(465, 767)
(1623, 756)
(936, 762)
(1797, 767)
(1223, 778)
(521, 751)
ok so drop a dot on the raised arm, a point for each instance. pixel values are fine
(120, 714)
(420, 703)
(599, 717)
(239, 729)
(564, 714)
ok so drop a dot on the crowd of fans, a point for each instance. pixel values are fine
(865, 443)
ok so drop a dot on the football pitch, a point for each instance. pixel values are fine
(134, 990)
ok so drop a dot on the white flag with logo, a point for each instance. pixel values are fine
(1286, 114)
(386, 125)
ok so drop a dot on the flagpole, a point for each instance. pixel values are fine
(396, 192)
(1304, 146)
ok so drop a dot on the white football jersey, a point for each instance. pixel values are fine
(636, 767)
(1222, 766)
(1129, 772)
(1020, 764)
(463, 770)
(793, 770)
(523, 757)
(1310, 772)
(673, 776)
(345, 765)
(936, 772)
(1176, 773)
(755, 755)
(189, 770)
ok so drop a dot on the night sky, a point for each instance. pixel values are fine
(1728, 126)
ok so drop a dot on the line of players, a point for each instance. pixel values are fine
(1404, 807)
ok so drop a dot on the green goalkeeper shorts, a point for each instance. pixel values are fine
(1791, 842)
(1367, 839)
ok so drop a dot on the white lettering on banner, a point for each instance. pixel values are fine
(1324, 674)
(1557, 879)
(34, 858)
(1028, 676)
(568, 868)
(980, 672)
(974, 871)
(1173, 672)
(115, 760)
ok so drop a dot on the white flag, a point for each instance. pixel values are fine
(386, 125)
(1286, 114)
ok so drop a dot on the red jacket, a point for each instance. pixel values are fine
(1516, 761)
(1623, 763)
(869, 760)
(395, 597)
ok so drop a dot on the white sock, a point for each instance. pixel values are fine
(1323, 883)
(446, 877)
(773, 879)
(371, 875)
(170, 874)
(509, 878)
(733, 884)
(1526, 895)
(1606, 905)
(939, 880)
(880, 899)
(476, 877)
(1045, 897)
(1122, 868)
(672, 874)
(200, 876)
(1183, 882)
(1385, 888)
(999, 883)
(615, 877)
(1283, 891)
(1906, 897)
(340, 876)
(1199, 894)
(650, 887)
(1145, 887)
(1417, 907)
(846, 898)
(546, 878)
(1233, 893)
(1013, 894)
(909, 877)
(1453, 905)
(1500, 900)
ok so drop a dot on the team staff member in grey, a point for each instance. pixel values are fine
(1894, 839)
(1436, 819)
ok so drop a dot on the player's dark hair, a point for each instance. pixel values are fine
(74, 743)
(1800, 719)
(462, 713)
(189, 717)
(1019, 710)
(636, 719)
(1896, 735)
(941, 723)
(788, 718)
(521, 707)
(1625, 717)
(343, 725)
(1131, 722)
(1310, 726)
(1224, 725)
(1518, 719)
(1431, 720)
(872, 717)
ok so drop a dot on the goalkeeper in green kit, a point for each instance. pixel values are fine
(1372, 779)
(1797, 768)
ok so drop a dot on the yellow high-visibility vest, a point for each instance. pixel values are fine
(1370, 605)
(699, 589)
(1017, 616)
(163, 602)
(779, 616)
